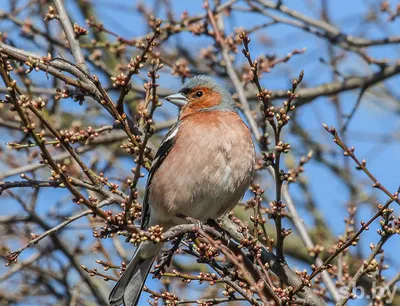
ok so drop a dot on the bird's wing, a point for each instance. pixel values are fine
(162, 152)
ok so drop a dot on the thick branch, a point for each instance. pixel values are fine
(69, 32)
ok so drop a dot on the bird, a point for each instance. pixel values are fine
(201, 170)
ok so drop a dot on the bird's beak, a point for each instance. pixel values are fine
(177, 99)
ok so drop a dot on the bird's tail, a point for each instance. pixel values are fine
(129, 286)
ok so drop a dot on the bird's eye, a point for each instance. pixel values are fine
(199, 94)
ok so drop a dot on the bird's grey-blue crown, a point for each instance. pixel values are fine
(205, 81)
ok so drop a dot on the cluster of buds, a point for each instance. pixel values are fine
(232, 43)
(246, 242)
(282, 147)
(54, 176)
(244, 37)
(315, 250)
(51, 14)
(113, 187)
(258, 192)
(153, 233)
(285, 232)
(256, 249)
(337, 246)
(276, 208)
(117, 219)
(267, 62)
(372, 266)
(245, 286)
(119, 81)
(61, 94)
(284, 176)
(295, 82)
(24, 101)
(304, 277)
(169, 298)
(181, 68)
(135, 209)
(81, 136)
(34, 236)
(79, 31)
(355, 242)
(38, 103)
(229, 291)
(197, 28)
(385, 7)
(270, 61)
(92, 200)
(8, 65)
(211, 278)
(108, 230)
(268, 111)
(78, 201)
(173, 28)
(331, 130)
(265, 96)
(112, 225)
(254, 73)
(136, 63)
(46, 59)
(103, 179)
(12, 258)
(130, 148)
(268, 158)
(282, 116)
(283, 294)
(28, 128)
(207, 251)
(387, 223)
(32, 64)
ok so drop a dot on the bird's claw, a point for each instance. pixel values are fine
(166, 257)
(194, 221)
(165, 262)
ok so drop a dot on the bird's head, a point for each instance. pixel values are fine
(202, 93)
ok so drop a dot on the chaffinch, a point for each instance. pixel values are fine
(201, 170)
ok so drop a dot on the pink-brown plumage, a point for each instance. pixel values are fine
(206, 172)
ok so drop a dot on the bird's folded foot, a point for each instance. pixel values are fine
(224, 235)
(194, 221)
